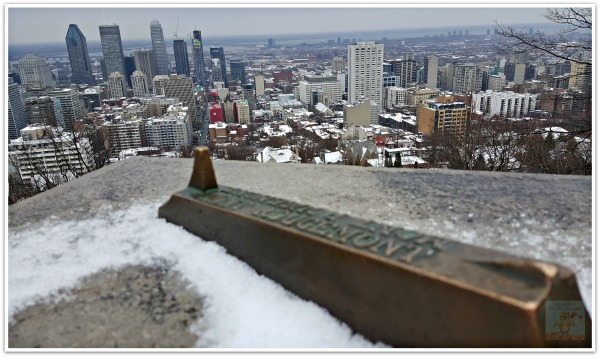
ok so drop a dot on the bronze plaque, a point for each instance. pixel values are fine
(392, 285)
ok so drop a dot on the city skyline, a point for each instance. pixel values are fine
(257, 21)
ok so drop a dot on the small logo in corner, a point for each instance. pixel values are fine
(565, 320)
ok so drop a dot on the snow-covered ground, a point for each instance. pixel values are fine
(242, 309)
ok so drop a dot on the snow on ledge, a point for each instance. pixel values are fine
(242, 309)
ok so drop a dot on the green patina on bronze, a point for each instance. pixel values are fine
(391, 284)
(389, 242)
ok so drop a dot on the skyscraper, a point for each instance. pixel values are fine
(34, 69)
(116, 85)
(129, 69)
(217, 52)
(468, 78)
(431, 71)
(406, 70)
(238, 70)
(112, 48)
(44, 110)
(146, 63)
(198, 58)
(365, 72)
(70, 104)
(139, 84)
(81, 67)
(17, 118)
(159, 47)
(182, 62)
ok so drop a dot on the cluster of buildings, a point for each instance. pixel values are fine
(172, 102)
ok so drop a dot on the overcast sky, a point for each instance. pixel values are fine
(44, 25)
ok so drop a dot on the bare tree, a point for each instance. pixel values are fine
(565, 44)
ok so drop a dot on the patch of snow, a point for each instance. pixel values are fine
(242, 309)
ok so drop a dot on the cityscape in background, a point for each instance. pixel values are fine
(460, 97)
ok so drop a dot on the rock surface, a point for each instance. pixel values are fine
(135, 307)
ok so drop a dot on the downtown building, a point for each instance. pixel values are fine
(124, 135)
(44, 110)
(221, 67)
(431, 71)
(395, 97)
(17, 118)
(504, 104)
(171, 131)
(331, 89)
(34, 69)
(71, 106)
(442, 115)
(365, 72)
(198, 53)
(117, 87)
(112, 49)
(139, 83)
(468, 78)
(238, 70)
(159, 48)
(182, 62)
(406, 70)
(145, 62)
(81, 66)
(49, 151)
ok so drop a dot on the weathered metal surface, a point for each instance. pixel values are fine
(387, 283)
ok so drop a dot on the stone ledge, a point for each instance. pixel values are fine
(545, 217)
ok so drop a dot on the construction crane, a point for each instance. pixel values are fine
(176, 27)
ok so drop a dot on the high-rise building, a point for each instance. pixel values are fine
(406, 70)
(159, 47)
(581, 77)
(51, 149)
(116, 85)
(145, 62)
(468, 78)
(217, 52)
(331, 87)
(238, 70)
(178, 86)
(496, 82)
(337, 64)
(198, 53)
(365, 72)
(17, 119)
(182, 63)
(112, 48)
(34, 69)
(129, 69)
(139, 83)
(271, 42)
(172, 130)
(243, 111)
(431, 71)
(395, 97)
(44, 110)
(124, 135)
(103, 69)
(70, 104)
(81, 66)
(259, 84)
